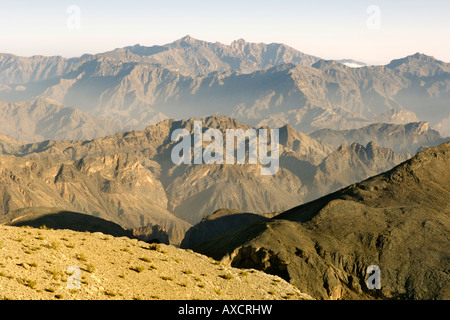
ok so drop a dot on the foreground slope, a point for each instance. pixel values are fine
(34, 265)
(398, 220)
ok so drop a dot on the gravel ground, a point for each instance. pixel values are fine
(34, 264)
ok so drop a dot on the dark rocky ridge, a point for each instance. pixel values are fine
(398, 220)
(54, 218)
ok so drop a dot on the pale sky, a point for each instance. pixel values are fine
(373, 31)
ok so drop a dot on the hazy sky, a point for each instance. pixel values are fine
(370, 31)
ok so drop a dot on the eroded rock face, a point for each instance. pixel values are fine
(398, 221)
(260, 259)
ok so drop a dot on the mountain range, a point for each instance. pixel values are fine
(86, 144)
(129, 178)
(259, 84)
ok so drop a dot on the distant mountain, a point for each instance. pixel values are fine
(428, 92)
(348, 164)
(130, 179)
(195, 57)
(397, 220)
(187, 55)
(400, 138)
(8, 145)
(45, 119)
(396, 116)
(259, 84)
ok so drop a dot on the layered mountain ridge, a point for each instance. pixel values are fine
(130, 179)
(259, 84)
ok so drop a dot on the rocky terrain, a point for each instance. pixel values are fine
(400, 138)
(87, 177)
(398, 220)
(38, 263)
(259, 84)
(130, 179)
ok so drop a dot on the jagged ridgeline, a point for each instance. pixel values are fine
(130, 179)
(258, 84)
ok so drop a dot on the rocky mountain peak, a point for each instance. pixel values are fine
(420, 65)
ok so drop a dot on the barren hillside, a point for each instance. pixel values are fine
(35, 265)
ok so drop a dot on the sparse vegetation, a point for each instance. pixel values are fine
(45, 275)
(90, 268)
(155, 247)
(227, 276)
(138, 269)
(29, 283)
(110, 293)
(81, 257)
(54, 274)
(145, 259)
(54, 245)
